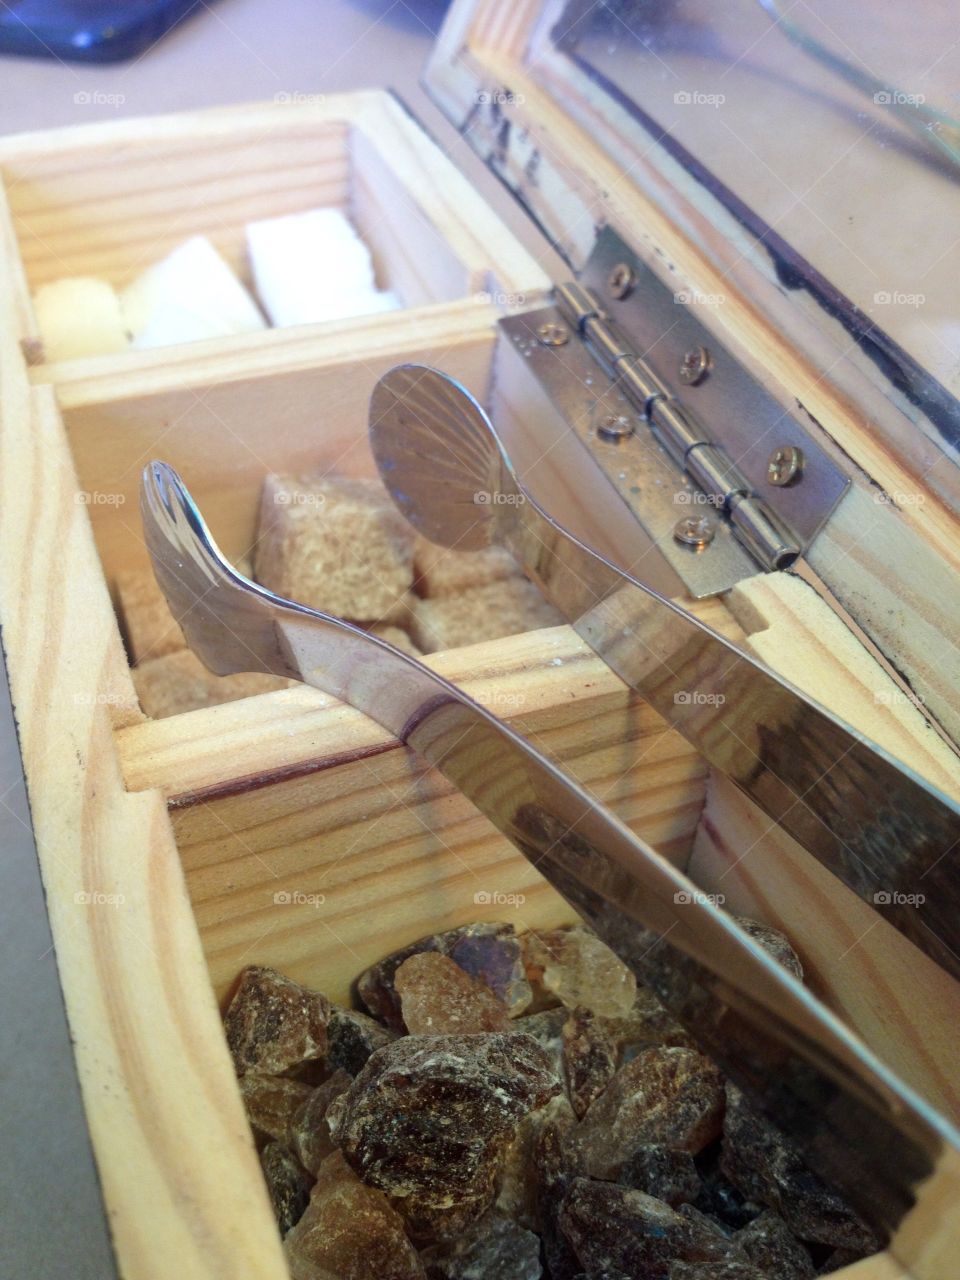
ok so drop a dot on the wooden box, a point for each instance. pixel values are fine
(174, 852)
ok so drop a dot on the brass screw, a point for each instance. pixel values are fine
(615, 426)
(695, 531)
(621, 280)
(785, 465)
(695, 366)
(553, 335)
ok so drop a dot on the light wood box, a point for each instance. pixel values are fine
(203, 830)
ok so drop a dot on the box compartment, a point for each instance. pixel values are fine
(110, 201)
(205, 822)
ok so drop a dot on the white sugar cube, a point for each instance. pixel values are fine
(190, 294)
(79, 316)
(310, 267)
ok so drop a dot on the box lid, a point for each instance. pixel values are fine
(794, 175)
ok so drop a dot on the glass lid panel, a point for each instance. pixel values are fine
(830, 129)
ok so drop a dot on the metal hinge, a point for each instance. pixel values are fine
(722, 470)
(686, 439)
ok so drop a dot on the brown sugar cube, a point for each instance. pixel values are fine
(667, 1096)
(483, 613)
(273, 1024)
(397, 637)
(438, 998)
(339, 546)
(150, 627)
(444, 571)
(350, 1230)
(288, 1185)
(180, 682)
(429, 1118)
(271, 1102)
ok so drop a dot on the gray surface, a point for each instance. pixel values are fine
(51, 1222)
(51, 1217)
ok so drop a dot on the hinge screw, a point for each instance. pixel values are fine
(695, 531)
(621, 280)
(615, 426)
(695, 366)
(553, 334)
(785, 465)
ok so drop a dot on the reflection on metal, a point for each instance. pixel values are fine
(709, 449)
(695, 531)
(884, 832)
(615, 426)
(621, 280)
(856, 1124)
(551, 334)
(785, 466)
(694, 366)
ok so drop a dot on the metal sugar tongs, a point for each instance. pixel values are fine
(854, 1122)
(885, 832)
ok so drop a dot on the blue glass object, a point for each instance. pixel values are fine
(88, 30)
